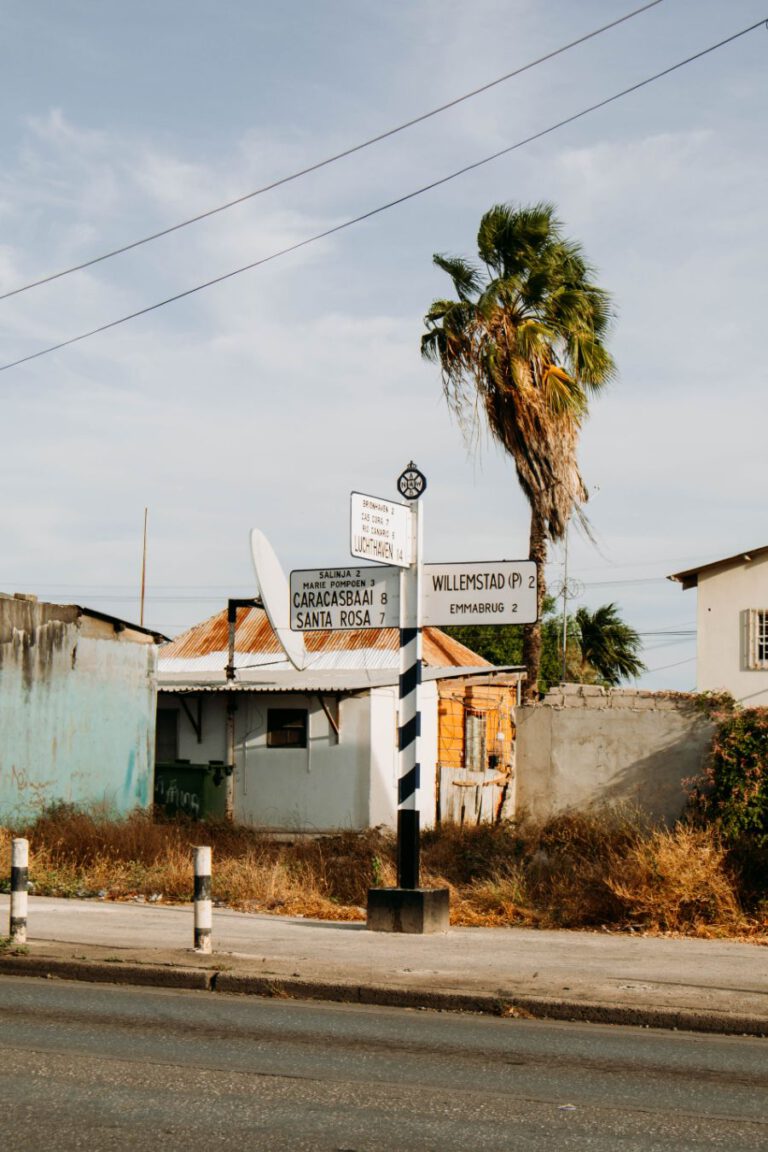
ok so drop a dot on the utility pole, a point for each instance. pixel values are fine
(565, 602)
(143, 571)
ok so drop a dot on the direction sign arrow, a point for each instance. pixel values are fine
(381, 530)
(340, 599)
(498, 592)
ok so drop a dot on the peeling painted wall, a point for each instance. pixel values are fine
(77, 711)
(583, 747)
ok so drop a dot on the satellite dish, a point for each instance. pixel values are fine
(276, 597)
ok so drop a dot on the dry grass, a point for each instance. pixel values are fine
(679, 881)
(577, 871)
(76, 853)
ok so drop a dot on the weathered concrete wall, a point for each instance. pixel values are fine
(77, 711)
(584, 746)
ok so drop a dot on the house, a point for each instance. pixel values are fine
(732, 625)
(77, 708)
(315, 749)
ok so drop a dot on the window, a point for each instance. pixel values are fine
(286, 727)
(167, 736)
(757, 638)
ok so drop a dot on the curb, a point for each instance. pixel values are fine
(107, 972)
(270, 987)
(515, 1007)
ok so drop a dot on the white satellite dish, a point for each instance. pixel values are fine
(276, 596)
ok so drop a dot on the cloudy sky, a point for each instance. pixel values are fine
(263, 401)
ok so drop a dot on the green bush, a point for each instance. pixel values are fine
(734, 791)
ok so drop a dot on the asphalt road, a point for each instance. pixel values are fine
(103, 1068)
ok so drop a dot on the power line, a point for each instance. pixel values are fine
(625, 580)
(382, 207)
(677, 664)
(330, 159)
(671, 632)
(665, 560)
(667, 644)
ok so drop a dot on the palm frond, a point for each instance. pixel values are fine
(563, 395)
(466, 278)
(523, 343)
(608, 644)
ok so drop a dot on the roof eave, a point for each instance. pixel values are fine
(690, 577)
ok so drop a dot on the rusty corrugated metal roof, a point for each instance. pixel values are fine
(322, 680)
(204, 647)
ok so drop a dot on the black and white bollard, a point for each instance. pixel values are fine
(203, 905)
(19, 881)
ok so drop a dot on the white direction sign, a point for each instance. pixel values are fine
(498, 592)
(380, 530)
(345, 598)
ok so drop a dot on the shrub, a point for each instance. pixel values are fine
(570, 861)
(733, 793)
(576, 870)
(678, 880)
(463, 854)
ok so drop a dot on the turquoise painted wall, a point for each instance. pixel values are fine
(77, 713)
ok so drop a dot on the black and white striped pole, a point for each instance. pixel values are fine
(409, 907)
(203, 904)
(19, 882)
(409, 711)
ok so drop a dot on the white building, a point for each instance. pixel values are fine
(315, 750)
(732, 625)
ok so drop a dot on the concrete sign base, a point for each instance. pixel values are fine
(416, 910)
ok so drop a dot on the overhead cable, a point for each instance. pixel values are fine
(382, 207)
(329, 159)
(664, 667)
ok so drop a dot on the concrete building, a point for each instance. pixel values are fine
(316, 750)
(732, 625)
(77, 708)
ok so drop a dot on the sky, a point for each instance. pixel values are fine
(265, 400)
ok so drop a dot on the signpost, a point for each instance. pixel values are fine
(499, 592)
(380, 530)
(409, 711)
(340, 599)
(398, 591)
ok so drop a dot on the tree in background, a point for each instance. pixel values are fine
(601, 648)
(608, 646)
(523, 341)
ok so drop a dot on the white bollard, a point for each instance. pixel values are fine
(19, 880)
(203, 905)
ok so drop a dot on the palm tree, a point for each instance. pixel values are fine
(608, 645)
(524, 342)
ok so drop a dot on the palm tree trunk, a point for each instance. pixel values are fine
(532, 632)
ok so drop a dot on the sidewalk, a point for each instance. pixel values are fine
(703, 985)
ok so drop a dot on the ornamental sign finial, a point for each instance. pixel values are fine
(411, 483)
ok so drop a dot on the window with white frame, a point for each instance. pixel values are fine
(757, 638)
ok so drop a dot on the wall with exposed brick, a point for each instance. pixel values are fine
(584, 746)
